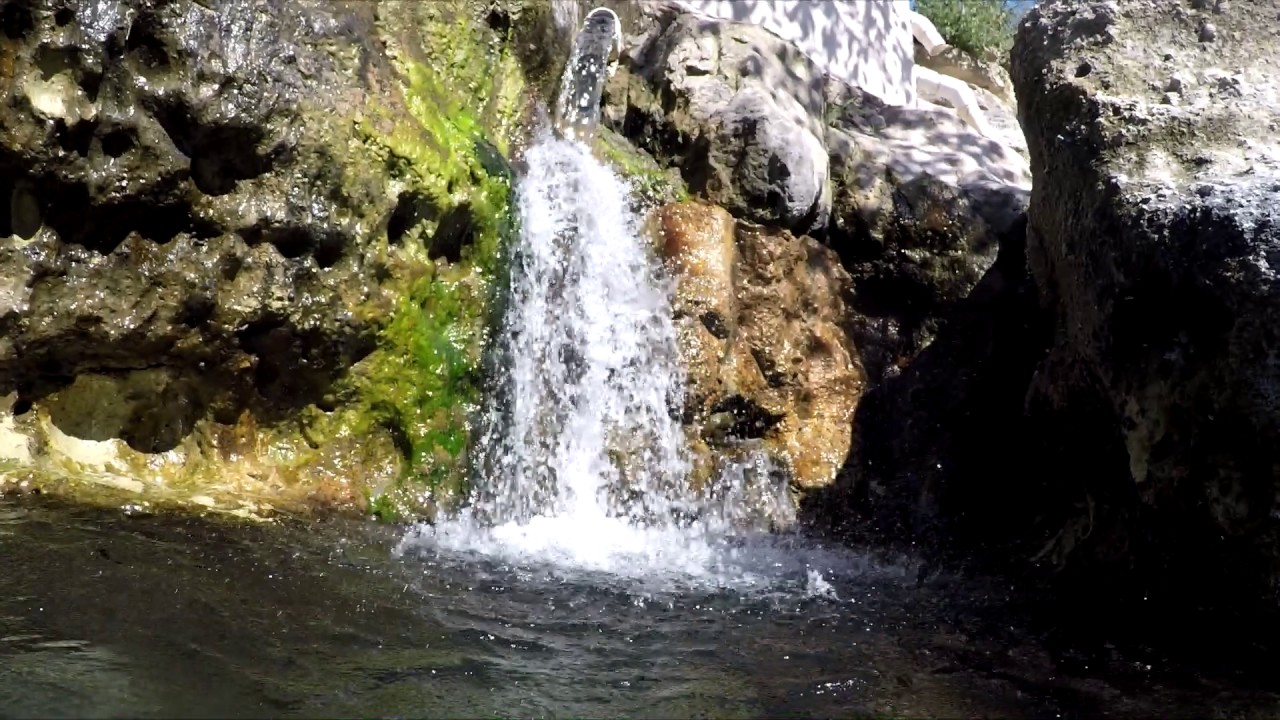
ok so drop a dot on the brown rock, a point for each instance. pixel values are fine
(761, 318)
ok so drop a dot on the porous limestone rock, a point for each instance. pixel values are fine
(207, 212)
(1153, 238)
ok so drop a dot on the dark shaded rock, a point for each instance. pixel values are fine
(1152, 239)
(941, 444)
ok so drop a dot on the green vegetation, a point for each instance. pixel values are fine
(979, 27)
(422, 383)
(651, 183)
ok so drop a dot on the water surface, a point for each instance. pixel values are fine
(107, 615)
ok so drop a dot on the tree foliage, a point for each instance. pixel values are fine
(978, 27)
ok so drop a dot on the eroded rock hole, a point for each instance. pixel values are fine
(224, 155)
(77, 137)
(290, 242)
(411, 208)
(714, 324)
(53, 61)
(24, 213)
(498, 19)
(229, 267)
(457, 229)
(221, 155)
(73, 215)
(6, 194)
(750, 420)
(17, 19)
(144, 42)
(296, 368)
(118, 142)
(329, 249)
(196, 311)
(63, 16)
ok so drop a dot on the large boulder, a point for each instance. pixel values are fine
(736, 108)
(209, 218)
(1153, 238)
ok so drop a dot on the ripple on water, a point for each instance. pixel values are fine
(649, 562)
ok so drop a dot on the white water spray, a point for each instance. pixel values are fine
(581, 458)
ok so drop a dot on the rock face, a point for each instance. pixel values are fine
(1153, 238)
(157, 224)
(211, 213)
(738, 109)
(911, 209)
(763, 326)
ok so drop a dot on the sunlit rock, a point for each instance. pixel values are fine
(762, 323)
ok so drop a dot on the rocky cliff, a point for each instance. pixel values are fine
(249, 259)
(248, 251)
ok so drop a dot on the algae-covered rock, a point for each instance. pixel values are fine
(279, 216)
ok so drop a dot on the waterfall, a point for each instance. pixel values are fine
(580, 455)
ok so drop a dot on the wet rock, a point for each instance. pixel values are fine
(1153, 240)
(737, 109)
(761, 316)
(177, 220)
(207, 213)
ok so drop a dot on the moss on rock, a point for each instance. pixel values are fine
(422, 382)
(320, 316)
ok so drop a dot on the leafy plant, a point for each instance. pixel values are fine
(978, 27)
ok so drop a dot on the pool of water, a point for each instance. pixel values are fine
(103, 614)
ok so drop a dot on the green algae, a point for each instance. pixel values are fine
(422, 383)
(651, 184)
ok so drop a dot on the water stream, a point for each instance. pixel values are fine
(581, 457)
(584, 578)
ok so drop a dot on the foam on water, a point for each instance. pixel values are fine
(582, 458)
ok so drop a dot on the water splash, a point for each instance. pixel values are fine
(581, 459)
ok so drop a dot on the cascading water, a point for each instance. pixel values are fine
(581, 458)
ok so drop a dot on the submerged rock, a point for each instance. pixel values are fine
(213, 215)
